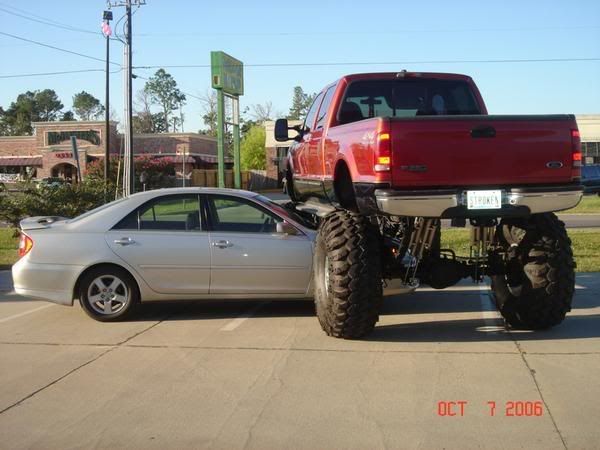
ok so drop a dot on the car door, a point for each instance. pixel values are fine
(163, 240)
(248, 255)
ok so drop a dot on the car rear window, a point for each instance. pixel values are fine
(407, 97)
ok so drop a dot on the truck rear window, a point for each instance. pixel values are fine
(406, 98)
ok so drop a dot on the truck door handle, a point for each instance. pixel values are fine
(222, 244)
(484, 131)
(124, 241)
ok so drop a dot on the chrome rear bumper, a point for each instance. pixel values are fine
(453, 203)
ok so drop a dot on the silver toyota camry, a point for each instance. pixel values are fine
(167, 244)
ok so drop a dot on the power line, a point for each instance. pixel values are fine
(366, 63)
(64, 72)
(380, 32)
(55, 48)
(47, 22)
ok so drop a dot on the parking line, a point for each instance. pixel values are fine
(24, 313)
(241, 319)
(490, 315)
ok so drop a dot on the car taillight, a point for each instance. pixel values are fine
(383, 153)
(25, 245)
(576, 155)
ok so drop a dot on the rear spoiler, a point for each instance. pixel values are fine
(33, 223)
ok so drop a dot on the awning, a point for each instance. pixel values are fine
(188, 159)
(213, 159)
(32, 161)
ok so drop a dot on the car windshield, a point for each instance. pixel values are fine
(407, 97)
(282, 211)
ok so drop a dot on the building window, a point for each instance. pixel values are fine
(591, 149)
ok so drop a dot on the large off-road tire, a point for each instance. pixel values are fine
(538, 289)
(347, 275)
(289, 184)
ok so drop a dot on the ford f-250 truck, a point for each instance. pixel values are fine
(383, 157)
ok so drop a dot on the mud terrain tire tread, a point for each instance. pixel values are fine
(549, 274)
(350, 308)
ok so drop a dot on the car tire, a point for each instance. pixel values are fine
(108, 294)
(347, 275)
(546, 268)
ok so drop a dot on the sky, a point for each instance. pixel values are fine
(317, 42)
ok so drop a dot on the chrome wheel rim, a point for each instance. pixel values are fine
(108, 294)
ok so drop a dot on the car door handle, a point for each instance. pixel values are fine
(222, 244)
(124, 241)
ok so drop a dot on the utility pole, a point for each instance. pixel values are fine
(129, 168)
(107, 16)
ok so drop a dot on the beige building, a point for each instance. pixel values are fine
(589, 129)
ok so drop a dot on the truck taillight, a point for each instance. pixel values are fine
(383, 153)
(576, 155)
(25, 245)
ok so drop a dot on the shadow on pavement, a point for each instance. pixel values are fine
(476, 330)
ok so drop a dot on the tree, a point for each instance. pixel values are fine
(163, 91)
(87, 106)
(67, 116)
(31, 106)
(4, 129)
(252, 149)
(262, 112)
(210, 113)
(301, 102)
(145, 121)
(48, 105)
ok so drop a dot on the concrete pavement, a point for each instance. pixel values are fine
(263, 375)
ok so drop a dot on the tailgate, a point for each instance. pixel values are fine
(481, 150)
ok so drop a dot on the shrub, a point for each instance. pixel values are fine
(67, 200)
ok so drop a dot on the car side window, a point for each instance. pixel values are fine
(239, 215)
(312, 112)
(172, 213)
(324, 107)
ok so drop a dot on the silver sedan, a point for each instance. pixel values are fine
(184, 243)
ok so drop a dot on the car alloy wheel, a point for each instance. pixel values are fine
(108, 294)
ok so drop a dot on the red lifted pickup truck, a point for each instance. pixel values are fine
(382, 157)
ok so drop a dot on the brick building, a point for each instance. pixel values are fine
(48, 152)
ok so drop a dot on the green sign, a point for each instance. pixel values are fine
(227, 73)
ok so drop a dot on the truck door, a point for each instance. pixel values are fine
(304, 161)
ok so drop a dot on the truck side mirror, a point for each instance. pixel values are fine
(281, 130)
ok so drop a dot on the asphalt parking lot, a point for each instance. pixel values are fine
(263, 375)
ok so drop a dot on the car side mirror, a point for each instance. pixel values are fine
(286, 228)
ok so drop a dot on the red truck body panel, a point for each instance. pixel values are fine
(519, 153)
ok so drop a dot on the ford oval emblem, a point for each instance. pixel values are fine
(554, 165)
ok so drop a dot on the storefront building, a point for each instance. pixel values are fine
(49, 152)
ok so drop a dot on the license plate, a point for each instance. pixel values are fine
(484, 199)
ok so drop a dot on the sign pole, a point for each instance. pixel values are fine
(227, 77)
(221, 137)
(76, 156)
(236, 143)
